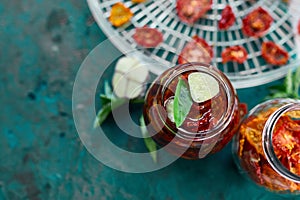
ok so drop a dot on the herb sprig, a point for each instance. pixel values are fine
(289, 88)
(109, 102)
(150, 144)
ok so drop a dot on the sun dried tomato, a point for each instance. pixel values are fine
(286, 143)
(294, 166)
(119, 14)
(283, 140)
(299, 26)
(257, 23)
(272, 180)
(293, 126)
(243, 108)
(147, 37)
(252, 162)
(138, 1)
(236, 53)
(196, 50)
(227, 18)
(274, 54)
(189, 11)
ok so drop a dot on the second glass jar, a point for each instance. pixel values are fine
(267, 147)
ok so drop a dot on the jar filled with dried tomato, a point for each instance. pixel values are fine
(192, 110)
(267, 147)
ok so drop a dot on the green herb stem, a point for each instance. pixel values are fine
(150, 144)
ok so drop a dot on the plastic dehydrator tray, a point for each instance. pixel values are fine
(161, 14)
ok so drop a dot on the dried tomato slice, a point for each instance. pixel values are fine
(294, 165)
(274, 54)
(189, 11)
(286, 143)
(283, 141)
(227, 18)
(257, 23)
(243, 108)
(235, 53)
(196, 50)
(138, 1)
(252, 162)
(147, 37)
(299, 26)
(119, 14)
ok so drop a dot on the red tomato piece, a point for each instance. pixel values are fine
(196, 50)
(147, 37)
(252, 163)
(243, 108)
(294, 163)
(227, 18)
(257, 23)
(299, 27)
(189, 11)
(283, 141)
(274, 54)
(235, 53)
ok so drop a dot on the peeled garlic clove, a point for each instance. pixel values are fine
(124, 64)
(129, 78)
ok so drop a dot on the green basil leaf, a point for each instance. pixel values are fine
(150, 144)
(106, 110)
(182, 102)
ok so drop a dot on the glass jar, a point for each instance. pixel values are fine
(209, 125)
(267, 146)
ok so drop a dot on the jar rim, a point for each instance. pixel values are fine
(267, 143)
(226, 86)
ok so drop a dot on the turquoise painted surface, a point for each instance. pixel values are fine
(42, 46)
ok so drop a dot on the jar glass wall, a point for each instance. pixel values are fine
(209, 125)
(267, 146)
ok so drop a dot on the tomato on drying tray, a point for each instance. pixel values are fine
(147, 37)
(257, 23)
(196, 50)
(189, 11)
(227, 18)
(235, 53)
(119, 14)
(274, 54)
(138, 1)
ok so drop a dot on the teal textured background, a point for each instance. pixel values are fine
(41, 157)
